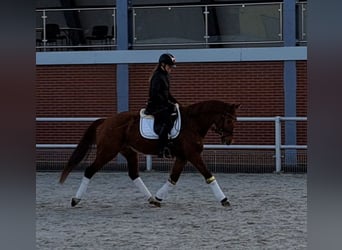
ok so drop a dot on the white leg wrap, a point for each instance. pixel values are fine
(83, 187)
(141, 186)
(217, 190)
(164, 190)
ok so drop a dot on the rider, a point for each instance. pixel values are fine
(161, 104)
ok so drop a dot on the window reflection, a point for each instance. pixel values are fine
(177, 26)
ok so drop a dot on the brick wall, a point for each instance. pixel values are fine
(302, 101)
(72, 91)
(90, 91)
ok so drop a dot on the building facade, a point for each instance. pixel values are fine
(220, 55)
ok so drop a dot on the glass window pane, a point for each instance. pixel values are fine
(77, 28)
(169, 25)
(301, 12)
(247, 23)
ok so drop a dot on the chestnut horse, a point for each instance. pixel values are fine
(120, 134)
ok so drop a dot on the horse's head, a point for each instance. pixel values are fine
(225, 123)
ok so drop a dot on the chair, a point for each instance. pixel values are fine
(53, 34)
(99, 33)
(111, 36)
(39, 43)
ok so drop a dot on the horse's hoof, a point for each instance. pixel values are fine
(154, 202)
(225, 202)
(75, 201)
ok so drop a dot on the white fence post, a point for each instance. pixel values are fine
(148, 162)
(277, 143)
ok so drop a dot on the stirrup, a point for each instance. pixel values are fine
(165, 153)
(161, 154)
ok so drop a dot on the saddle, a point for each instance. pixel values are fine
(147, 123)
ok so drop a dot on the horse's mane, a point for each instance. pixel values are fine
(205, 107)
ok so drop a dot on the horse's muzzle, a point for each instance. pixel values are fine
(227, 140)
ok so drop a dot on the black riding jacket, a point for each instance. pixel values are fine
(159, 95)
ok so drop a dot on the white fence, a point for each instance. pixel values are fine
(277, 146)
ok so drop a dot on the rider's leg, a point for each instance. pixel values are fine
(163, 150)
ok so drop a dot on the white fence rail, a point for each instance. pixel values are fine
(277, 147)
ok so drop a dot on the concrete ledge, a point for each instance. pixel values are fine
(182, 55)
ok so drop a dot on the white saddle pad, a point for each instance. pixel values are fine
(147, 121)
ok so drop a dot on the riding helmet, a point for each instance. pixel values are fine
(167, 59)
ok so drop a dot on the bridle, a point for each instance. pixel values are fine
(222, 131)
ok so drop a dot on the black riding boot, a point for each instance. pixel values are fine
(164, 150)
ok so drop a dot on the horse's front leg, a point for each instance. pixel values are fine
(133, 173)
(197, 161)
(177, 169)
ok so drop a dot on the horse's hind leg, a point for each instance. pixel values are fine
(133, 173)
(177, 169)
(99, 162)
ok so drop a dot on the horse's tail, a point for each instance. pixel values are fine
(83, 147)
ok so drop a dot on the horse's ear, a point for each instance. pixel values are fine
(236, 106)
